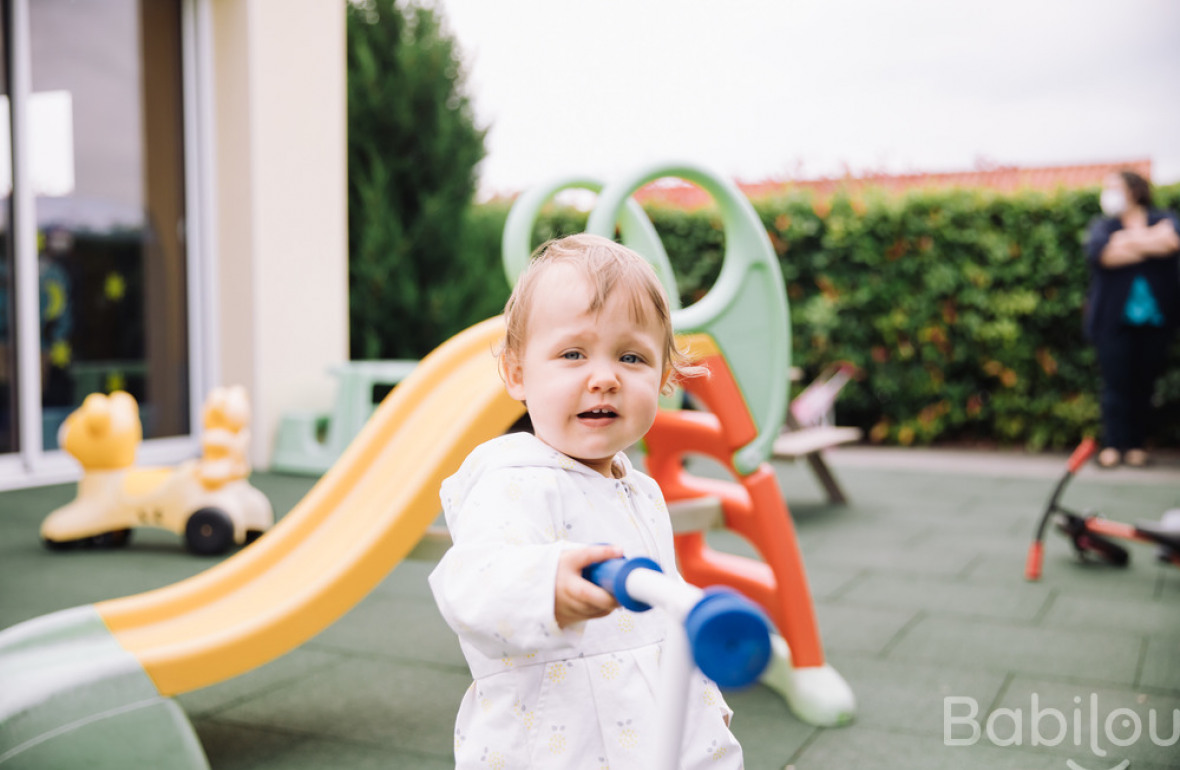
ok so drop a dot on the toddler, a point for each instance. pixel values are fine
(564, 677)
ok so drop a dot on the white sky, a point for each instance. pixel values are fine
(771, 88)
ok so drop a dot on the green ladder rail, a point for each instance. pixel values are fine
(635, 228)
(745, 312)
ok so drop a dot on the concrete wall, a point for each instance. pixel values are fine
(281, 190)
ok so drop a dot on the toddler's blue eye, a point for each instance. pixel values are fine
(631, 358)
(571, 355)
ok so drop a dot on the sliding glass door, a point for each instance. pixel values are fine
(94, 293)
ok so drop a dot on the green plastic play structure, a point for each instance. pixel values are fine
(308, 443)
(746, 309)
(745, 315)
(634, 226)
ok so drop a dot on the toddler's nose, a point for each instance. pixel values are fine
(603, 377)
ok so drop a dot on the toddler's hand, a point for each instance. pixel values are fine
(576, 598)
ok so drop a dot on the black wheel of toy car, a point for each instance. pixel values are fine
(209, 532)
(116, 538)
(60, 545)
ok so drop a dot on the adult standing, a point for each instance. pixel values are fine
(1134, 308)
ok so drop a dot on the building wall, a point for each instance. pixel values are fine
(281, 189)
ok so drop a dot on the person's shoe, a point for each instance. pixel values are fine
(1109, 458)
(1137, 458)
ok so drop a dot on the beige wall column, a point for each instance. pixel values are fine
(281, 191)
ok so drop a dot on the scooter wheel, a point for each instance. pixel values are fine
(209, 532)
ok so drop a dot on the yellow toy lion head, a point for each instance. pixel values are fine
(227, 408)
(104, 432)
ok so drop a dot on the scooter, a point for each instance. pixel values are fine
(1094, 537)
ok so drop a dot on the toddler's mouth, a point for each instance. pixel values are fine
(597, 414)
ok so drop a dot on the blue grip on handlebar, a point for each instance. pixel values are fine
(612, 575)
(729, 637)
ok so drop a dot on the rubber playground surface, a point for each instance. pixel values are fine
(955, 659)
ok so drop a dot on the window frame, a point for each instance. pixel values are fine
(30, 464)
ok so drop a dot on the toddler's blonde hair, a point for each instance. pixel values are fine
(606, 266)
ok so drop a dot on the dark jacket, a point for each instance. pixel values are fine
(1110, 286)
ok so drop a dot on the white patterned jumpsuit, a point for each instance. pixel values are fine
(545, 697)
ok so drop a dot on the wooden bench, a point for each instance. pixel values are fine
(809, 444)
(814, 407)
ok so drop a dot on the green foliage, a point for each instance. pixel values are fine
(962, 308)
(412, 152)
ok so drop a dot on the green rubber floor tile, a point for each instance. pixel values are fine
(909, 697)
(241, 747)
(73, 578)
(408, 580)
(1122, 502)
(232, 746)
(870, 747)
(282, 672)
(989, 542)
(1096, 727)
(1091, 655)
(959, 520)
(1063, 573)
(1147, 615)
(767, 730)
(1008, 494)
(1017, 601)
(373, 701)
(855, 531)
(318, 755)
(826, 582)
(1168, 583)
(858, 629)
(948, 562)
(282, 490)
(1161, 663)
(406, 629)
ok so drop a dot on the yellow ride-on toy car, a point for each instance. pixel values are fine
(207, 501)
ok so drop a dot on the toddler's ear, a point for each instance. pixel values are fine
(513, 375)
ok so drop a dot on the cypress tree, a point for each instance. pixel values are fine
(413, 148)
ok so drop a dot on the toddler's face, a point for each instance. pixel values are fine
(591, 380)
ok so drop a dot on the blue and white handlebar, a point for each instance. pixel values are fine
(727, 633)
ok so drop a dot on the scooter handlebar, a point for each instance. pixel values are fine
(612, 575)
(1083, 452)
(1032, 565)
(728, 634)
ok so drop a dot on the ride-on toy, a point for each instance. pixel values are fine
(1092, 536)
(208, 501)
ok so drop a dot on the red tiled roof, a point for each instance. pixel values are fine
(679, 194)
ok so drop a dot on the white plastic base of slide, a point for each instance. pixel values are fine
(818, 695)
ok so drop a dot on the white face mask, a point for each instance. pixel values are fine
(1113, 202)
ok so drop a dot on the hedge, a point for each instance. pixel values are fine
(961, 308)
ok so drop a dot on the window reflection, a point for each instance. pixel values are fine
(109, 208)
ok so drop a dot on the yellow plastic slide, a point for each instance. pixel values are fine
(351, 529)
